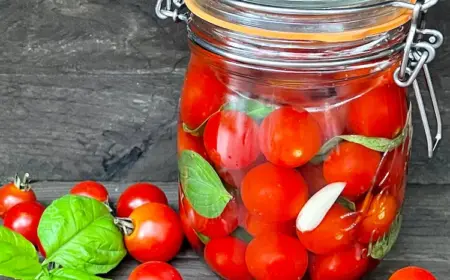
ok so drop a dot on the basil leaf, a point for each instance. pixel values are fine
(382, 247)
(375, 143)
(350, 205)
(201, 185)
(242, 234)
(198, 131)
(71, 274)
(253, 108)
(203, 238)
(325, 150)
(18, 257)
(79, 232)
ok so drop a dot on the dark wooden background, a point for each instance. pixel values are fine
(89, 90)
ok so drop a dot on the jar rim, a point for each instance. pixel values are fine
(340, 24)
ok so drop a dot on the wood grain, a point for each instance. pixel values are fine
(89, 90)
(424, 239)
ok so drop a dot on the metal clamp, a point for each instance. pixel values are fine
(420, 49)
(171, 12)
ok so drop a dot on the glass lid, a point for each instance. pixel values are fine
(323, 20)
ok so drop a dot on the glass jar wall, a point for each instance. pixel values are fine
(291, 172)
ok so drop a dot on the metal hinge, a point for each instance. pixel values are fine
(174, 9)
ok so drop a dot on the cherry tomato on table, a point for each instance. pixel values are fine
(289, 137)
(274, 193)
(412, 273)
(15, 193)
(155, 271)
(157, 233)
(349, 264)
(231, 139)
(24, 219)
(91, 189)
(379, 113)
(334, 233)
(221, 226)
(276, 256)
(203, 94)
(379, 217)
(226, 257)
(137, 195)
(354, 164)
(186, 141)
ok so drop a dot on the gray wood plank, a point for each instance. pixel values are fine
(424, 239)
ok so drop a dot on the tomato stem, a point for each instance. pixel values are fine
(22, 184)
(125, 224)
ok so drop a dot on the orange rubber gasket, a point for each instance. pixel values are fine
(324, 37)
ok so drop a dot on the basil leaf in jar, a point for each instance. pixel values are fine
(18, 257)
(71, 274)
(201, 185)
(242, 234)
(203, 238)
(198, 131)
(79, 233)
(381, 248)
(253, 108)
(350, 205)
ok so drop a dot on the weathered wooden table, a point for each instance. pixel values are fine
(89, 90)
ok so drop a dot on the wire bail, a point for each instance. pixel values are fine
(168, 12)
(420, 49)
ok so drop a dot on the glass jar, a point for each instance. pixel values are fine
(295, 132)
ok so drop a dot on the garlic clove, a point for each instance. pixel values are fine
(316, 208)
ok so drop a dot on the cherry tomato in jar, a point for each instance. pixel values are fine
(256, 225)
(379, 113)
(276, 256)
(313, 175)
(334, 233)
(155, 271)
(221, 226)
(186, 141)
(203, 94)
(332, 120)
(412, 273)
(226, 257)
(137, 195)
(354, 164)
(189, 231)
(91, 189)
(234, 177)
(156, 233)
(274, 193)
(379, 217)
(349, 264)
(15, 193)
(393, 169)
(354, 82)
(24, 219)
(289, 137)
(231, 139)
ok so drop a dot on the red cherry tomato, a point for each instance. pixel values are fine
(226, 257)
(157, 233)
(313, 175)
(349, 264)
(332, 121)
(12, 194)
(379, 218)
(188, 229)
(274, 193)
(276, 256)
(187, 141)
(203, 94)
(155, 271)
(91, 189)
(256, 225)
(354, 164)
(289, 137)
(379, 113)
(231, 139)
(139, 194)
(234, 177)
(393, 169)
(221, 226)
(334, 233)
(412, 273)
(24, 219)
(354, 82)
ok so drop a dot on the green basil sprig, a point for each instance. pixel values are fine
(70, 274)
(79, 233)
(18, 257)
(255, 109)
(381, 248)
(201, 185)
